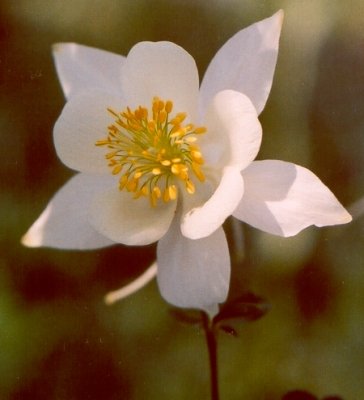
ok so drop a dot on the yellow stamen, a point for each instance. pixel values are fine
(153, 151)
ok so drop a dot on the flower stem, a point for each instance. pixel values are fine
(211, 341)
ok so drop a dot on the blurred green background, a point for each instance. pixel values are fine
(57, 338)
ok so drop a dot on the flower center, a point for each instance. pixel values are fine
(153, 151)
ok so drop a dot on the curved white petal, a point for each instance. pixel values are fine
(123, 219)
(283, 198)
(83, 121)
(234, 133)
(203, 221)
(245, 63)
(193, 273)
(64, 223)
(82, 68)
(161, 69)
(133, 286)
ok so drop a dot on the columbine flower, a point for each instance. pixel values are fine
(161, 159)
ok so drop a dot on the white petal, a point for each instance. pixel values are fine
(202, 221)
(161, 69)
(232, 122)
(82, 68)
(64, 223)
(133, 286)
(193, 273)
(283, 198)
(83, 121)
(245, 63)
(123, 219)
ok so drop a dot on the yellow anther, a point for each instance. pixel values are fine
(157, 192)
(180, 170)
(141, 192)
(139, 113)
(132, 185)
(169, 106)
(181, 117)
(138, 174)
(190, 187)
(162, 116)
(197, 170)
(155, 105)
(151, 125)
(156, 171)
(123, 181)
(176, 160)
(177, 132)
(166, 163)
(111, 155)
(199, 130)
(172, 189)
(196, 154)
(175, 169)
(117, 169)
(160, 105)
(102, 142)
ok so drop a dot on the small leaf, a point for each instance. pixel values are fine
(248, 307)
(229, 330)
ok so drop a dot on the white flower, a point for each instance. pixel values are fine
(135, 127)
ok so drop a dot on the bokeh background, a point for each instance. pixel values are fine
(58, 340)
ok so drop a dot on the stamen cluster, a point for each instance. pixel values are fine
(153, 151)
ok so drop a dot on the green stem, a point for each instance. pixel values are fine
(211, 341)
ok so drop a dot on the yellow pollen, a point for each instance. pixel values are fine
(154, 152)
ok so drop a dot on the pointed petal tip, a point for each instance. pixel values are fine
(347, 218)
(280, 15)
(34, 237)
(277, 19)
(30, 240)
(343, 218)
(282, 199)
(58, 47)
